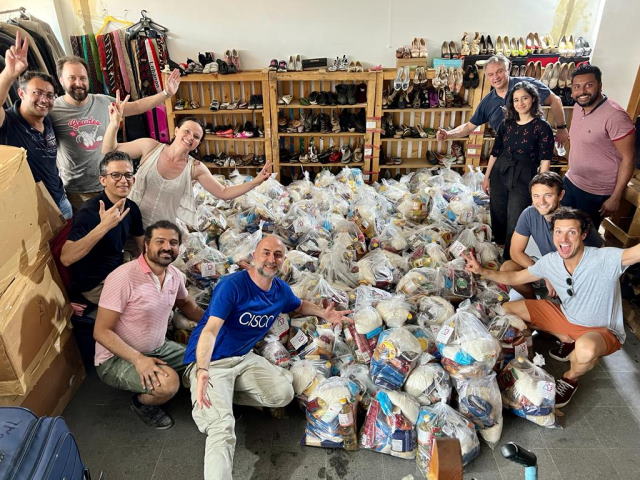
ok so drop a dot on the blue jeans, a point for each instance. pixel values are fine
(65, 207)
(589, 203)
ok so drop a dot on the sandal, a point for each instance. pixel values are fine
(242, 105)
(233, 106)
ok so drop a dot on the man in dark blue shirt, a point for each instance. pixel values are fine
(101, 228)
(223, 369)
(490, 109)
(26, 123)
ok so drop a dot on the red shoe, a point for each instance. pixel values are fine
(565, 389)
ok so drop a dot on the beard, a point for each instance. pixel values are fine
(78, 93)
(156, 257)
(267, 274)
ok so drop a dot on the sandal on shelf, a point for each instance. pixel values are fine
(397, 82)
(233, 106)
(194, 104)
(405, 79)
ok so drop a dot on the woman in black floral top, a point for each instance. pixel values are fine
(523, 146)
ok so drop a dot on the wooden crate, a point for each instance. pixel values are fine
(301, 84)
(413, 151)
(623, 227)
(204, 88)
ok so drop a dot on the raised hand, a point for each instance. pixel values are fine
(173, 82)
(265, 173)
(114, 215)
(16, 57)
(116, 109)
(472, 265)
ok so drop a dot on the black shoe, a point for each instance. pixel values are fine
(351, 94)
(341, 94)
(152, 415)
(565, 389)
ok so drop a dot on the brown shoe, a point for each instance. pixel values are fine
(565, 389)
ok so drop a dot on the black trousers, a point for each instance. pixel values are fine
(507, 203)
(585, 201)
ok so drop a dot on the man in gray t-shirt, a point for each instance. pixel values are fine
(80, 119)
(546, 190)
(589, 321)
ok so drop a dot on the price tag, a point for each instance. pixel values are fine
(547, 390)
(396, 445)
(207, 269)
(280, 326)
(444, 334)
(371, 124)
(345, 419)
(368, 152)
(298, 340)
(521, 350)
(457, 248)
(472, 151)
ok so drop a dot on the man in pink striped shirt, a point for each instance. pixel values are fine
(132, 352)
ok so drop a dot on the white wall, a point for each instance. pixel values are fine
(617, 51)
(43, 9)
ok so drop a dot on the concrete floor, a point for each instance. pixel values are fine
(600, 438)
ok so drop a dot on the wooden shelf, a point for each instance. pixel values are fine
(314, 134)
(206, 111)
(318, 164)
(420, 139)
(426, 110)
(216, 138)
(294, 105)
(243, 76)
(416, 163)
(213, 165)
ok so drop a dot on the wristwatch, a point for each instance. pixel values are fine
(559, 127)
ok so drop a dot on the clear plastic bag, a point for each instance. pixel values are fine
(275, 352)
(295, 262)
(314, 241)
(307, 375)
(473, 178)
(361, 345)
(395, 355)
(480, 401)
(359, 374)
(420, 281)
(389, 426)
(367, 321)
(429, 383)
(414, 208)
(428, 255)
(458, 283)
(394, 311)
(390, 238)
(320, 345)
(440, 420)
(427, 341)
(301, 189)
(206, 267)
(351, 177)
(528, 391)
(338, 266)
(434, 311)
(331, 415)
(375, 269)
(392, 190)
(466, 346)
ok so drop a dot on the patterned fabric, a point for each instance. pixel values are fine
(103, 61)
(76, 46)
(154, 65)
(109, 66)
(123, 61)
(144, 70)
(97, 68)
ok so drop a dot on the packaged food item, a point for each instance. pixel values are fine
(440, 420)
(394, 357)
(434, 311)
(458, 283)
(359, 374)
(428, 255)
(466, 346)
(391, 238)
(429, 383)
(394, 311)
(427, 341)
(273, 350)
(376, 269)
(479, 400)
(331, 415)
(307, 375)
(529, 391)
(421, 281)
(206, 267)
(389, 426)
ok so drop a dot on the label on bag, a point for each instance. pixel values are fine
(547, 390)
(457, 248)
(396, 445)
(444, 334)
(368, 151)
(371, 125)
(298, 340)
(521, 350)
(280, 326)
(345, 419)
(207, 269)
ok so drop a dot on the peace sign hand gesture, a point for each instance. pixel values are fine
(16, 57)
(116, 109)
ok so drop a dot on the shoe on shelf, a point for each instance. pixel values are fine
(422, 47)
(445, 53)
(344, 64)
(273, 65)
(298, 61)
(282, 66)
(453, 50)
(152, 415)
(235, 59)
(475, 45)
(334, 66)
(565, 390)
(562, 351)
(465, 49)
(286, 99)
(180, 104)
(397, 82)
(415, 48)
(483, 45)
(291, 66)
(529, 43)
(405, 79)
(506, 45)
(490, 49)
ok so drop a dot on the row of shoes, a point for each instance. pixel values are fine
(255, 103)
(228, 160)
(346, 121)
(344, 154)
(422, 96)
(344, 65)
(345, 94)
(283, 66)
(247, 130)
(533, 43)
(454, 157)
(557, 76)
(207, 63)
(418, 49)
(390, 130)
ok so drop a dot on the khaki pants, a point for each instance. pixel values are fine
(249, 380)
(77, 199)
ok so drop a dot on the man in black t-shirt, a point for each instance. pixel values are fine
(101, 228)
(27, 124)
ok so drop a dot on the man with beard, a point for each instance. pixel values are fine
(586, 281)
(132, 352)
(80, 119)
(601, 159)
(27, 123)
(222, 367)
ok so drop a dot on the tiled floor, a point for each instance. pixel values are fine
(600, 438)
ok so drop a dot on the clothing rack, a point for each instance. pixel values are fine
(22, 11)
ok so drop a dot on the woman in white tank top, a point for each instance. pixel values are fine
(164, 178)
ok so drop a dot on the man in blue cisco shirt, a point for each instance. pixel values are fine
(223, 368)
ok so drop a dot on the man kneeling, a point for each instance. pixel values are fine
(586, 281)
(132, 352)
(243, 307)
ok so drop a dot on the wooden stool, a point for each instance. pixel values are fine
(446, 462)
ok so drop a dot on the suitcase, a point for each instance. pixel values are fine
(37, 448)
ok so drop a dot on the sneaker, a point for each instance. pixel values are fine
(152, 415)
(562, 351)
(565, 390)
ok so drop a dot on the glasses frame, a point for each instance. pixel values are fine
(128, 176)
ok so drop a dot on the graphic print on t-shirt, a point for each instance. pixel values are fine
(85, 131)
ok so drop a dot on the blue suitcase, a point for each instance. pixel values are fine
(37, 448)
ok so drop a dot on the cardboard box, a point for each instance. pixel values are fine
(57, 381)
(34, 312)
(24, 225)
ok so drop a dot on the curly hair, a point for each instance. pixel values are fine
(510, 111)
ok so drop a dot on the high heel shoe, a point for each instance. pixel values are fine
(522, 49)
(465, 48)
(422, 46)
(499, 46)
(553, 48)
(405, 79)
(562, 46)
(529, 70)
(513, 46)
(571, 47)
(490, 49)
(537, 43)
(546, 75)
(537, 70)
(415, 48)
(445, 50)
(562, 76)
(506, 47)
(554, 76)
(453, 50)
(475, 45)
(529, 43)
(397, 82)
(483, 45)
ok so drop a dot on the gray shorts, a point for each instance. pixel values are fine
(118, 373)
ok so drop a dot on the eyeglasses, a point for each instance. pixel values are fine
(570, 291)
(117, 176)
(42, 94)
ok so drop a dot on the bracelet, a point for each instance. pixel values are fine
(560, 127)
(166, 94)
(202, 368)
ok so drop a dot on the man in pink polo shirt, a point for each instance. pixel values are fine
(602, 148)
(132, 352)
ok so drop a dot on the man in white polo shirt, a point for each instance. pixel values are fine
(132, 352)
